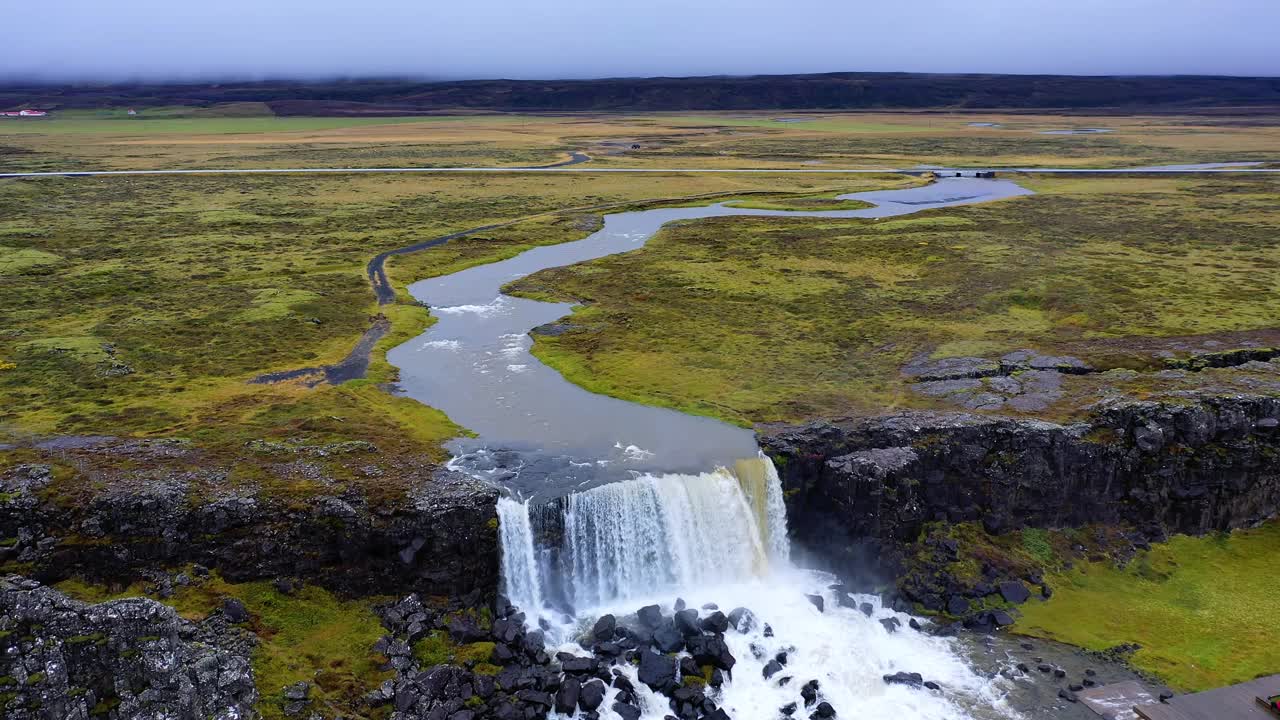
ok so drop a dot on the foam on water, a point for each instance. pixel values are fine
(720, 537)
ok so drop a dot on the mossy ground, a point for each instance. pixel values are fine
(246, 135)
(1203, 609)
(142, 306)
(310, 635)
(758, 319)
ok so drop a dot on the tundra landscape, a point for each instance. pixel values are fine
(424, 400)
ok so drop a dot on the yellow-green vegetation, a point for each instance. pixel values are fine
(437, 648)
(17, 260)
(813, 202)
(246, 135)
(1203, 609)
(756, 319)
(310, 635)
(143, 306)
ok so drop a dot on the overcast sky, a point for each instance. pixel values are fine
(197, 39)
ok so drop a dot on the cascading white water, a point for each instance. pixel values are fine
(519, 554)
(720, 537)
(654, 533)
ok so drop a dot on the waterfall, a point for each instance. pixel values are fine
(721, 537)
(647, 535)
(520, 571)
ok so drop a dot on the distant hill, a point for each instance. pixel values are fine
(760, 92)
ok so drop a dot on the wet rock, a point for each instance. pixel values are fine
(867, 608)
(816, 601)
(789, 709)
(657, 671)
(905, 678)
(576, 665)
(711, 650)
(667, 639)
(626, 711)
(824, 710)
(914, 624)
(1068, 695)
(773, 667)
(742, 620)
(604, 628)
(567, 695)
(932, 685)
(716, 622)
(891, 625)
(809, 692)
(957, 605)
(650, 616)
(687, 622)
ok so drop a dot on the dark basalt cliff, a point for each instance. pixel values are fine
(859, 489)
(126, 658)
(441, 541)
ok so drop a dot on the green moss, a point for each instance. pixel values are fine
(85, 639)
(1036, 543)
(36, 678)
(437, 648)
(1199, 607)
(105, 706)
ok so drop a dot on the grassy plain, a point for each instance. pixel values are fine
(243, 135)
(755, 319)
(1203, 609)
(142, 306)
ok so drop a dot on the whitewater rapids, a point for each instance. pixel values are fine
(720, 537)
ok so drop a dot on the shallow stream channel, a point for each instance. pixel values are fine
(612, 505)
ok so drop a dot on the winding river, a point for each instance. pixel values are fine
(539, 434)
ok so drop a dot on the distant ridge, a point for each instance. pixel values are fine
(831, 91)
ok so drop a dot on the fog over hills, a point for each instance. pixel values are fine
(79, 40)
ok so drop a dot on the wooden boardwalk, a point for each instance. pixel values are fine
(1237, 702)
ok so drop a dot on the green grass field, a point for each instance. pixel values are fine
(247, 135)
(1203, 609)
